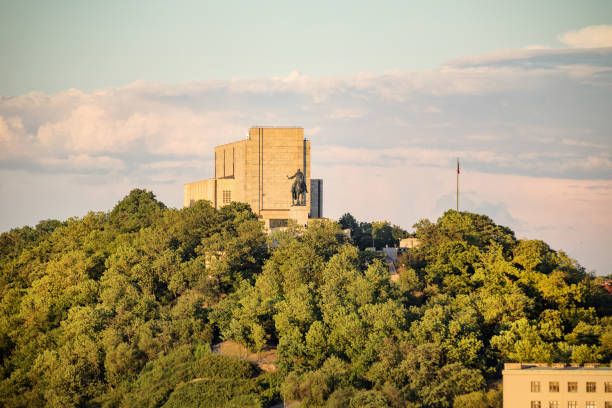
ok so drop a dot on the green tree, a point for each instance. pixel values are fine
(138, 210)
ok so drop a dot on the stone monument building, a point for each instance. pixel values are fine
(269, 171)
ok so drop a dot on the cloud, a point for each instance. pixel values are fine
(537, 47)
(545, 116)
(9, 129)
(507, 163)
(83, 163)
(545, 61)
(527, 124)
(485, 137)
(597, 36)
(344, 113)
(92, 128)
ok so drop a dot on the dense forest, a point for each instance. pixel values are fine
(122, 309)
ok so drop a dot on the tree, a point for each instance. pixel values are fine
(383, 234)
(348, 221)
(137, 210)
(121, 308)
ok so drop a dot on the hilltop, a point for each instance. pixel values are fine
(124, 309)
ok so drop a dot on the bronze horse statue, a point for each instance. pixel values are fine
(298, 189)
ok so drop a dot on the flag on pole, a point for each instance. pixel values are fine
(458, 171)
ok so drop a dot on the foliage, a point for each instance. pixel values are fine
(121, 309)
(105, 309)
(174, 379)
(378, 233)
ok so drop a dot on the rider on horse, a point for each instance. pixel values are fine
(298, 189)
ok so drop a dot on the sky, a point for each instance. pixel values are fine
(97, 98)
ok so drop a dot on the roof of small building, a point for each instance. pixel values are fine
(554, 366)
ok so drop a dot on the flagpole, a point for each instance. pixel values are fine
(457, 184)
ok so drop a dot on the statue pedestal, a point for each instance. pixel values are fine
(299, 213)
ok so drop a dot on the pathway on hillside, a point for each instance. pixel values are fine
(265, 359)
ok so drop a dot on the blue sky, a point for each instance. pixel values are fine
(97, 98)
(52, 46)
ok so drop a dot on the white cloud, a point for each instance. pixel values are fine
(485, 137)
(82, 163)
(442, 157)
(597, 36)
(175, 164)
(91, 128)
(584, 143)
(537, 47)
(312, 131)
(345, 113)
(523, 122)
(9, 128)
(475, 110)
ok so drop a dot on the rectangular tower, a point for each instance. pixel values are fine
(316, 198)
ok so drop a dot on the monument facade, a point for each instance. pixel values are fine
(270, 171)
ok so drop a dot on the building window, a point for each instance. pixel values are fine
(535, 386)
(536, 404)
(608, 386)
(572, 387)
(572, 404)
(608, 404)
(591, 404)
(227, 196)
(591, 387)
(553, 386)
(553, 404)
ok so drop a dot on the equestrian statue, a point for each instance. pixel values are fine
(298, 189)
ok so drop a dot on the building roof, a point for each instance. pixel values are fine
(555, 367)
